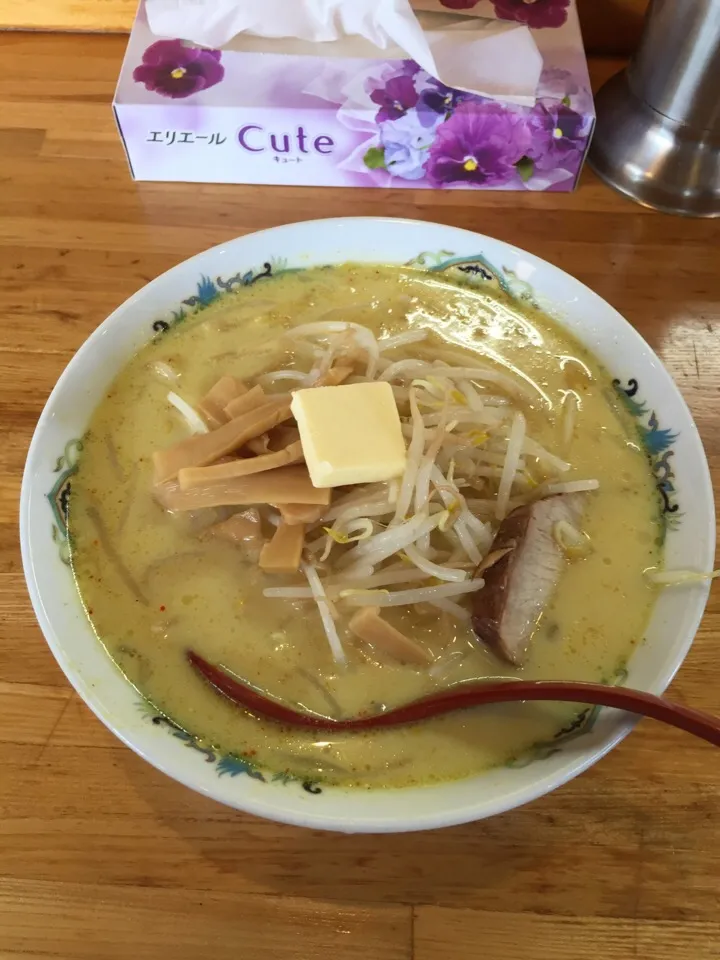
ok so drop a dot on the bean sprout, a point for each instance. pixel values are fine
(322, 604)
(512, 460)
(191, 417)
(406, 598)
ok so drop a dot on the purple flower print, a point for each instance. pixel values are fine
(438, 100)
(556, 83)
(395, 98)
(410, 68)
(534, 13)
(558, 136)
(480, 144)
(174, 70)
(559, 84)
(460, 4)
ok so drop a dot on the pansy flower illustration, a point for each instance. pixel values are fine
(480, 144)
(437, 99)
(559, 135)
(395, 98)
(535, 13)
(173, 69)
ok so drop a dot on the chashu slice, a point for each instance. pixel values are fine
(519, 585)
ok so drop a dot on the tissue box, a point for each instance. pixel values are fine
(224, 116)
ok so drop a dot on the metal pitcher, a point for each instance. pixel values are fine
(657, 137)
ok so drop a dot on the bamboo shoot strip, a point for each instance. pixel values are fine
(190, 477)
(287, 485)
(198, 451)
(248, 401)
(213, 404)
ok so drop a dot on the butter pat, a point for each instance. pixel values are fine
(350, 433)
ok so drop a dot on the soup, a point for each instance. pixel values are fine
(507, 424)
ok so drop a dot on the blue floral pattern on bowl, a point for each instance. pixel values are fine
(474, 271)
(59, 495)
(226, 764)
(658, 444)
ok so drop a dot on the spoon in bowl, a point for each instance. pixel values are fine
(463, 696)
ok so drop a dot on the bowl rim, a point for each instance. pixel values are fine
(267, 806)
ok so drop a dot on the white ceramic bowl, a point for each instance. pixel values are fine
(671, 439)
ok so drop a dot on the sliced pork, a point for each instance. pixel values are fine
(520, 584)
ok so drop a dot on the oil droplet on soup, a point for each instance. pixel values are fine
(180, 591)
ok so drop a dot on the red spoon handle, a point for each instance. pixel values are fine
(473, 695)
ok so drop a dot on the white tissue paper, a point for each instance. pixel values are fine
(486, 57)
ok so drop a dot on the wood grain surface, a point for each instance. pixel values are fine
(104, 858)
(609, 26)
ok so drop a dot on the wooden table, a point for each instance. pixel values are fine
(103, 857)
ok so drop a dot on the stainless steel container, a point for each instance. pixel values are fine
(657, 137)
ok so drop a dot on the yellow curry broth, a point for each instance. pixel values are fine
(202, 594)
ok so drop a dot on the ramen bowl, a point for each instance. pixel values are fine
(665, 426)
